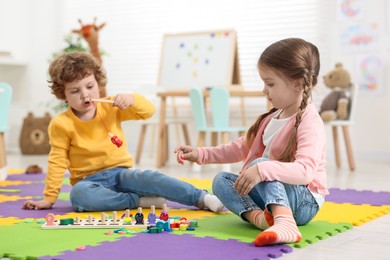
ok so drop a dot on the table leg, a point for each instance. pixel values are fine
(161, 134)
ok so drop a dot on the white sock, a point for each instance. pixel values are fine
(3, 173)
(212, 203)
(147, 202)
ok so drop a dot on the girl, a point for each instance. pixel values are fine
(282, 183)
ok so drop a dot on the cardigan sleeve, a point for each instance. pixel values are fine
(232, 152)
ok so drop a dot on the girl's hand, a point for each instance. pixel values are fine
(41, 204)
(123, 101)
(247, 180)
(187, 153)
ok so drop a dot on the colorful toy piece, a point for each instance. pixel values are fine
(90, 222)
(152, 215)
(139, 217)
(181, 159)
(164, 213)
(115, 140)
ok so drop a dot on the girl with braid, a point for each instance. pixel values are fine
(282, 183)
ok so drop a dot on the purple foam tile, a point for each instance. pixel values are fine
(30, 177)
(358, 197)
(169, 246)
(27, 177)
(176, 205)
(33, 189)
(14, 209)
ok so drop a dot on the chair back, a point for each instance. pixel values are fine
(353, 99)
(198, 109)
(5, 105)
(219, 98)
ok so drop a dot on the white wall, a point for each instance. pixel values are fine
(34, 29)
(31, 31)
(370, 135)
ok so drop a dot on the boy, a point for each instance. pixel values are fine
(87, 139)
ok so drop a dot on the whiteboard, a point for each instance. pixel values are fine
(203, 59)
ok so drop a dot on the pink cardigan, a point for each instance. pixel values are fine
(308, 167)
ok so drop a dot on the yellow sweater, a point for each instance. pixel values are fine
(85, 148)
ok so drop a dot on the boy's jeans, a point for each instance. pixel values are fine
(121, 188)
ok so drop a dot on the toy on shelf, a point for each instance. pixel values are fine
(336, 105)
(90, 32)
(34, 138)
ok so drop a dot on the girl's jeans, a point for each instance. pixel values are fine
(296, 197)
(121, 188)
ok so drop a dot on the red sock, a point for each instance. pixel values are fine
(284, 230)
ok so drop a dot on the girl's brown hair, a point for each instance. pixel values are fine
(295, 59)
(73, 66)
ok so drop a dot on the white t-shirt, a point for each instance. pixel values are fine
(271, 130)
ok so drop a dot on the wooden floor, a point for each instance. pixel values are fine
(368, 241)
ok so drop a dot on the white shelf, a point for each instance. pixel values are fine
(12, 62)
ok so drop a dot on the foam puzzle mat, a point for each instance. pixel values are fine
(217, 236)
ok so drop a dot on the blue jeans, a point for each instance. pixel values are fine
(296, 197)
(121, 188)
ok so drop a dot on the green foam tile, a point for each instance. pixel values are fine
(30, 239)
(229, 226)
(320, 230)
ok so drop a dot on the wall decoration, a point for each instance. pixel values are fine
(350, 9)
(370, 73)
(360, 37)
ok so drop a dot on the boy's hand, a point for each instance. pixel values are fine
(187, 153)
(123, 101)
(41, 204)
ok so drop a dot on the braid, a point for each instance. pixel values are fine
(288, 153)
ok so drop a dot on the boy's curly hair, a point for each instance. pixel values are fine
(72, 66)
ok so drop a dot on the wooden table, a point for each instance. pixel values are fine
(235, 91)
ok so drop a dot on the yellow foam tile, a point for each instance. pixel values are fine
(15, 171)
(200, 184)
(9, 221)
(5, 198)
(350, 213)
(13, 183)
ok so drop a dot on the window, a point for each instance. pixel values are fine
(133, 35)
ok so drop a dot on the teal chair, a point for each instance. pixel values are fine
(220, 114)
(5, 104)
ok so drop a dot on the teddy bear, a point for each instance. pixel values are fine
(336, 105)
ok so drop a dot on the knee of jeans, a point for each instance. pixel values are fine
(217, 181)
(81, 193)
